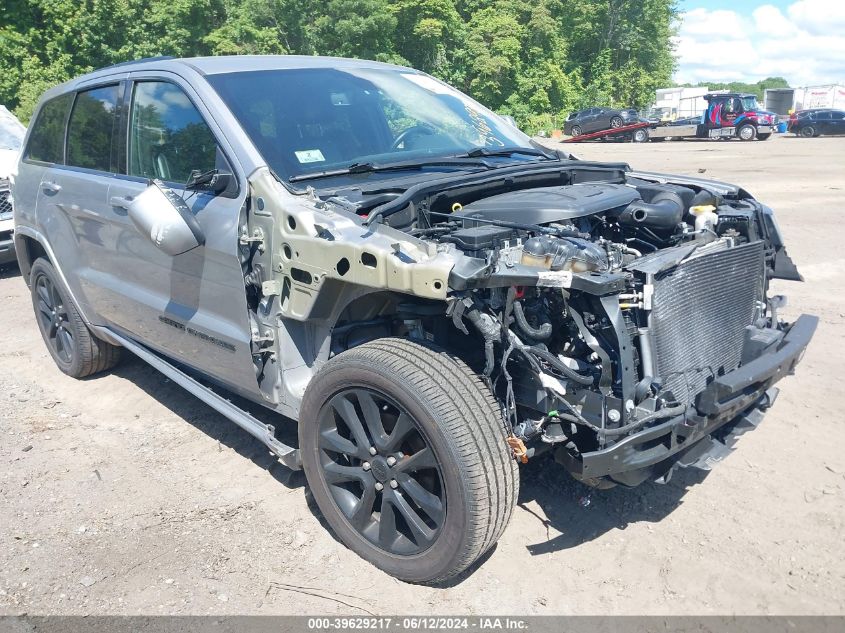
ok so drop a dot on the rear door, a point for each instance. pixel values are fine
(822, 122)
(588, 120)
(191, 307)
(73, 193)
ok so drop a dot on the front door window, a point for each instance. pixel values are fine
(168, 138)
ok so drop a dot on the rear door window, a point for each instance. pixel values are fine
(91, 128)
(168, 138)
(47, 139)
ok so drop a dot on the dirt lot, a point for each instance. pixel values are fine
(123, 495)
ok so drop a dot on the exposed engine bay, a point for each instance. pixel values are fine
(612, 313)
(599, 308)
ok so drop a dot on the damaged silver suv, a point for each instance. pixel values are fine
(433, 297)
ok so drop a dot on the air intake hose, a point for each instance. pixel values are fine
(571, 253)
(665, 211)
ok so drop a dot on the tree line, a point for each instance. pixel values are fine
(757, 88)
(535, 60)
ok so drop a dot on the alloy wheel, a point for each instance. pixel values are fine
(381, 471)
(53, 316)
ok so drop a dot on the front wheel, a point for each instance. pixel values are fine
(404, 450)
(747, 132)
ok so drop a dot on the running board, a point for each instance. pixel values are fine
(265, 433)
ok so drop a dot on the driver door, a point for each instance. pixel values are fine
(190, 307)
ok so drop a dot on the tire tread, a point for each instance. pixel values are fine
(470, 415)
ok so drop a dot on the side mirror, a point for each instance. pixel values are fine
(213, 181)
(162, 215)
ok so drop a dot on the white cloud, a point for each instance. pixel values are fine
(806, 44)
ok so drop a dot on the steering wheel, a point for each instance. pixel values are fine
(411, 132)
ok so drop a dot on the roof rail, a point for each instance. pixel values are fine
(137, 61)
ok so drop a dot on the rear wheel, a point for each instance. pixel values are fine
(747, 132)
(808, 131)
(75, 350)
(404, 450)
(640, 136)
(616, 122)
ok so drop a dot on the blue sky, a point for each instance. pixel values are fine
(747, 40)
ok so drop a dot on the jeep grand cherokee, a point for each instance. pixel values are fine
(432, 296)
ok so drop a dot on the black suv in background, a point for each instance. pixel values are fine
(598, 119)
(817, 122)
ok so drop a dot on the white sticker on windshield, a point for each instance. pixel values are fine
(310, 156)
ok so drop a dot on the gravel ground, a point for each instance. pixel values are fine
(121, 494)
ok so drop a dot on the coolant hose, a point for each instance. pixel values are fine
(668, 412)
(555, 362)
(542, 333)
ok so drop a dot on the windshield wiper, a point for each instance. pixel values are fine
(481, 152)
(365, 168)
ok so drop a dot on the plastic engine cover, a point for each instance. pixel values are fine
(552, 204)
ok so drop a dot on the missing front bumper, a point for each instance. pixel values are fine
(729, 406)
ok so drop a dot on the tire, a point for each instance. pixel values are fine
(615, 122)
(747, 132)
(640, 136)
(808, 131)
(764, 137)
(75, 350)
(576, 130)
(451, 414)
(659, 139)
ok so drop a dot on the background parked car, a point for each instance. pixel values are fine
(597, 119)
(11, 137)
(816, 122)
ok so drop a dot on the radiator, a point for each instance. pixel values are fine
(700, 311)
(5, 205)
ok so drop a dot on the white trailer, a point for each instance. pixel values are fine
(679, 103)
(828, 96)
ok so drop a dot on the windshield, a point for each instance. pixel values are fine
(319, 119)
(749, 104)
(11, 130)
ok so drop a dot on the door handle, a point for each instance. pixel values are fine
(120, 201)
(51, 188)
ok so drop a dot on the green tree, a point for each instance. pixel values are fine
(535, 60)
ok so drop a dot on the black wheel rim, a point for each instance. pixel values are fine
(53, 317)
(381, 471)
